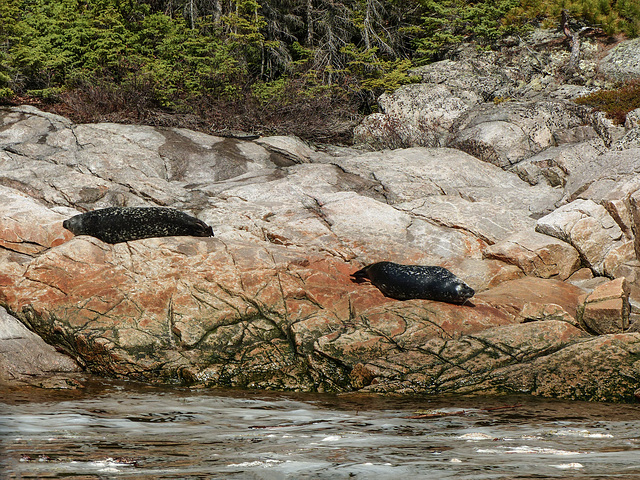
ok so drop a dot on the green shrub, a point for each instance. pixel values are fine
(47, 94)
(448, 22)
(265, 92)
(6, 92)
(612, 16)
(376, 74)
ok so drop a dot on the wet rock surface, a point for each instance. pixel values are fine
(25, 359)
(549, 246)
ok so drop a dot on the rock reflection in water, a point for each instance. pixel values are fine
(130, 431)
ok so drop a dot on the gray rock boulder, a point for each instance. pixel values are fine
(506, 133)
(479, 74)
(606, 309)
(623, 61)
(597, 176)
(554, 165)
(414, 115)
(607, 129)
(487, 221)
(17, 224)
(291, 149)
(631, 139)
(422, 114)
(633, 119)
(525, 79)
(590, 229)
(537, 255)
(412, 174)
(26, 359)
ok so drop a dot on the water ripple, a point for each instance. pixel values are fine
(130, 431)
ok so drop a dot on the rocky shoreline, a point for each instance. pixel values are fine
(487, 167)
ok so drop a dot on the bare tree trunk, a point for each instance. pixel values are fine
(168, 8)
(367, 26)
(192, 13)
(216, 11)
(309, 15)
(374, 16)
(572, 67)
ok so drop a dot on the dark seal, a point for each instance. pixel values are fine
(122, 224)
(404, 282)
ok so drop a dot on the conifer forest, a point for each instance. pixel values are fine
(306, 67)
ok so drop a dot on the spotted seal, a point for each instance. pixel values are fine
(122, 224)
(404, 282)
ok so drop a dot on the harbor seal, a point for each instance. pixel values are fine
(404, 282)
(122, 224)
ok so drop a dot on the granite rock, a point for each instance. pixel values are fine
(268, 302)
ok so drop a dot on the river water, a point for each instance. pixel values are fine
(122, 430)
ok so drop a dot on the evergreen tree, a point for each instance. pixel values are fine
(277, 55)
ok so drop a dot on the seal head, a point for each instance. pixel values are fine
(122, 224)
(404, 282)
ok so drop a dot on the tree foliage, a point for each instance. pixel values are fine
(186, 55)
(612, 16)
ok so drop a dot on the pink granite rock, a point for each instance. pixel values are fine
(606, 309)
(268, 302)
(531, 298)
(537, 255)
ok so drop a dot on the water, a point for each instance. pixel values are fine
(117, 430)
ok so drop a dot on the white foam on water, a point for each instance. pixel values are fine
(476, 437)
(524, 449)
(581, 433)
(569, 466)
(257, 463)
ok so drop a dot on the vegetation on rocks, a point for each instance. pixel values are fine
(616, 103)
(305, 67)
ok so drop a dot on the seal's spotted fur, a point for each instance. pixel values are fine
(122, 224)
(404, 282)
